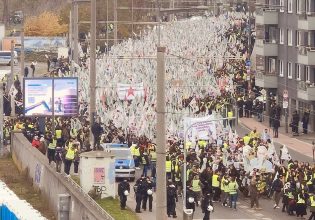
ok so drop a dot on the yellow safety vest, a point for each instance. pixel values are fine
(301, 201)
(58, 134)
(312, 201)
(144, 160)
(188, 144)
(168, 166)
(246, 139)
(70, 154)
(52, 145)
(133, 150)
(195, 186)
(137, 152)
(232, 188)
(153, 156)
(224, 185)
(215, 182)
(230, 115)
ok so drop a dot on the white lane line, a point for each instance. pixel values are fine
(266, 218)
(250, 210)
(258, 214)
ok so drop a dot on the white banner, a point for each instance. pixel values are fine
(130, 91)
(200, 128)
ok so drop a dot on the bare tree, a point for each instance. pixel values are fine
(5, 14)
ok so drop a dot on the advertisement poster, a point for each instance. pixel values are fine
(66, 96)
(38, 97)
(99, 175)
(39, 94)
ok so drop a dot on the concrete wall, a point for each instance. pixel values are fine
(51, 184)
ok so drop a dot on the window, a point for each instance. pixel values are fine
(281, 68)
(272, 65)
(298, 7)
(290, 10)
(289, 70)
(281, 36)
(298, 38)
(298, 71)
(281, 5)
(307, 74)
(290, 37)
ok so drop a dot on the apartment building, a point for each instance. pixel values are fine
(285, 52)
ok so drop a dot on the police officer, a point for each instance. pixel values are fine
(138, 188)
(190, 200)
(171, 198)
(207, 206)
(147, 194)
(312, 207)
(123, 191)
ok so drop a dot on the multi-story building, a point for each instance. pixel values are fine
(285, 52)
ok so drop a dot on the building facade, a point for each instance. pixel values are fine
(285, 52)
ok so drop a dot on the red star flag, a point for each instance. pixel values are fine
(130, 91)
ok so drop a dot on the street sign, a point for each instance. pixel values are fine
(285, 104)
(285, 93)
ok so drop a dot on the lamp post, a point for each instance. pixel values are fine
(313, 149)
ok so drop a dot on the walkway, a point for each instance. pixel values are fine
(301, 144)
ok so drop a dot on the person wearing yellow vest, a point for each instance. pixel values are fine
(196, 188)
(153, 162)
(230, 118)
(58, 134)
(312, 207)
(216, 186)
(70, 154)
(233, 187)
(246, 139)
(136, 156)
(301, 206)
(225, 189)
(52, 143)
(145, 163)
(168, 168)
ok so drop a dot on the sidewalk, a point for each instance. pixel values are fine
(301, 143)
(145, 215)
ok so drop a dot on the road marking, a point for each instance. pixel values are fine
(259, 215)
(250, 210)
(266, 218)
(243, 206)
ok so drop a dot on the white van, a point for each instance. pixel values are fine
(5, 57)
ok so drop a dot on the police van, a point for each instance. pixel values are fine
(124, 163)
(5, 57)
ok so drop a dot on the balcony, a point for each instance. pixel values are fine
(306, 91)
(306, 56)
(267, 16)
(267, 48)
(306, 21)
(266, 80)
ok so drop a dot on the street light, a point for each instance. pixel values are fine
(313, 148)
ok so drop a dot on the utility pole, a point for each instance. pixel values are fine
(92, 66)
(75, 33)
(22, 49)
(160, 137)
(1, 117)
(11, 76)
(115, 23)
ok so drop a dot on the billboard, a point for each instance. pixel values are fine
(40, 94)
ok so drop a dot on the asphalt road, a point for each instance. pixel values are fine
(243, 207)
(40, 68)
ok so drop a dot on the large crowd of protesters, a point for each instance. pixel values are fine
(218, 168)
